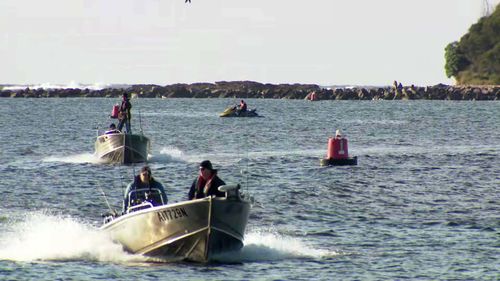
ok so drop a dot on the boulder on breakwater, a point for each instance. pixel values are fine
(250, 89)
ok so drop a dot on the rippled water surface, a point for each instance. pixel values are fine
(423, 203)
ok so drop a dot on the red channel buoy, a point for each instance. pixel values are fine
(338, 152)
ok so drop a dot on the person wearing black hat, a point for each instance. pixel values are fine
(124, 114)
(207, 183)
(146, 181)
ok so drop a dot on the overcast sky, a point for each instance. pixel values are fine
(325, 42)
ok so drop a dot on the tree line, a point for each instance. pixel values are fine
(475, 58)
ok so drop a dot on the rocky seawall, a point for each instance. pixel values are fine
(249, 89)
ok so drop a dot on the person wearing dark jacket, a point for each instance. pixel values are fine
(112, 130)
(144, 180)
(243, 106)
(207, 183)
(125, 115)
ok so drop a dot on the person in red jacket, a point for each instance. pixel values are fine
(207, 183)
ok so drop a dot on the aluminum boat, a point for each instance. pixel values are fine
(122, 148)
(197, 230)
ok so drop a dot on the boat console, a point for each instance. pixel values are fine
(143, 198)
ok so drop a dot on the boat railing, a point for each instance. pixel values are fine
(107, 132)
(143, 198)
(141, 206)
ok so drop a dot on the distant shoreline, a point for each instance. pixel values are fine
(250, 89)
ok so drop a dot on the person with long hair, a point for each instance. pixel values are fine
(146, 182)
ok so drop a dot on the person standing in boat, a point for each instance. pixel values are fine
(207, 183)
(124, 115)
(144, 180)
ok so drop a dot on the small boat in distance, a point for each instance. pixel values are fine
(233, 111)
(122, 148)
(197, 230)
(115, 146)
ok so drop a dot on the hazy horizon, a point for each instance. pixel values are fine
(323, 42)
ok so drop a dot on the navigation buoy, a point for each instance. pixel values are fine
(338, 152)
(114, 111)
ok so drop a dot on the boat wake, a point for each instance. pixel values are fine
(168, 154)
(40, 236)
(74, 159)
(43, 237)
(174, 154)
(267, 246)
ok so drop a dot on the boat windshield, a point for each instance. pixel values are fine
(145, 197)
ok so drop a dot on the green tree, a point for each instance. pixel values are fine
(455, 60)
(475, 59)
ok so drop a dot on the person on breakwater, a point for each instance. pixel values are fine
(124, 115)
(207, 183)
(145, 181)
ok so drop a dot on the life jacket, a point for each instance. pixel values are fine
(203, 186)
(243, 106)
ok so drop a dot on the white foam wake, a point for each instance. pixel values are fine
(75, 158)
(169, 153)
(174, 154)
(43, 237)
(270, 246)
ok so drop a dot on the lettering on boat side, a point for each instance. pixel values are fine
(171, 214)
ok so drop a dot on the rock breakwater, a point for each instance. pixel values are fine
(249, 89)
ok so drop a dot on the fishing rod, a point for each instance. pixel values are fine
(140, 117)
(248, 153)
(113, 212)
(134, 183)
(248, 160)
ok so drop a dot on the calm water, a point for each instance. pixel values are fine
(423, 203)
